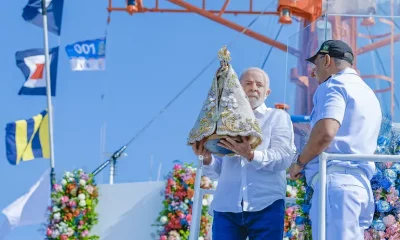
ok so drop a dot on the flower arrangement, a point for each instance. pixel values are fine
(72, 214)
(385, 185)
(174, 220)
(297, 224)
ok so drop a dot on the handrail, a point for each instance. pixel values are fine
(323, 158)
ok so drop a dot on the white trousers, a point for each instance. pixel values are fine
(350, 205)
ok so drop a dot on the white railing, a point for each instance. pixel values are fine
(323, 158)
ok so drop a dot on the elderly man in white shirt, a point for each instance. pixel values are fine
(346, 119)
(250, 197)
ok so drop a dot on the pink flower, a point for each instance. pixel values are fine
(189, 218)
(177, 167)
(289, 210)
(388, 164)
(81, 222)
(64, 237)
(394, 237)
(85, 233)
(181, 215)
(367, 236)
(163, 237)
(72, 203)
(64, 199)
(57, 187)
(89, 189)
(389, 220)
(49, 232)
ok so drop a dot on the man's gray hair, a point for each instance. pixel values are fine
(340, 63)
(256, 69)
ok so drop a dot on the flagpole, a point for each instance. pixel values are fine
(48, 92)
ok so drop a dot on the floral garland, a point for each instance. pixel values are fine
(72, 214)
(174, 220)
(297, 224)
(385, 185)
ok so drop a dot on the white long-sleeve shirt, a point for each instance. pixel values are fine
(261, 181)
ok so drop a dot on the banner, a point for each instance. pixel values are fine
(87, 55)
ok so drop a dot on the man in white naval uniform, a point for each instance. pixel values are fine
(346, 119)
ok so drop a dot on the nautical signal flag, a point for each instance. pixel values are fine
(28, 139)
(32, 13)
(32, 64)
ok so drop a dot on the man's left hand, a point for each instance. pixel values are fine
(241, 148)
(294, 171)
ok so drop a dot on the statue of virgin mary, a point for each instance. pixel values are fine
(225, 112)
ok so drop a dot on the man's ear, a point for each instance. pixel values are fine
(268, 92)
(327, 61)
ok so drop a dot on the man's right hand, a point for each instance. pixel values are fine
(199, 149)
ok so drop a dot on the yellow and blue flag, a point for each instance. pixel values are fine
(28, 139)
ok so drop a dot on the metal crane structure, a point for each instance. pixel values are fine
(342, 23)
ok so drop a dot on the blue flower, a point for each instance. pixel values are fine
(383, 145)
(299, 220)
(391, 175)
(386, 184)
(383, 206)
(378, 225)
(306, 208)
(396, 167)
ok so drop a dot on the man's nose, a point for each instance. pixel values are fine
(253, 87)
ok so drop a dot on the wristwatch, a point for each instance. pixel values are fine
(296, 160)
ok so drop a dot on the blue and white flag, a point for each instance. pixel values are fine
(87, 55)
(32, 64)
(32, 13)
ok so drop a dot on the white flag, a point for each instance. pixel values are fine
(31, 207)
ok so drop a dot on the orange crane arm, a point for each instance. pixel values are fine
(215, 15)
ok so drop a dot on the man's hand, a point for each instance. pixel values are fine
(241, 148)
(199, 149)
(294, 171)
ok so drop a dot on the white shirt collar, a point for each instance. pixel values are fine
(262, 109)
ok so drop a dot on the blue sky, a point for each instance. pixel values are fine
(150, 58)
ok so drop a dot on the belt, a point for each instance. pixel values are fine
(337, 169)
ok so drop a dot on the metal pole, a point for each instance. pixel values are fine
(112, 171)
(195, 224)
(322, 196)
(48, 91)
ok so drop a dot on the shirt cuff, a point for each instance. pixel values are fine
(257, 159)
(211, 165)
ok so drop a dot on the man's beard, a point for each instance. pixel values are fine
(255, 102)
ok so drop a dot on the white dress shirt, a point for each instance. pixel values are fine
(259, 182)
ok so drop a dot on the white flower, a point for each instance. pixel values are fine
(57, 216)
(55, 234)
(201, 238)
(82, 203)
(70, 232)
(71, 179)
(81, 196)
(163, 220)
(64, 182)
(205, 202)
(55, 209)
(68, 174)
(82, 182)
